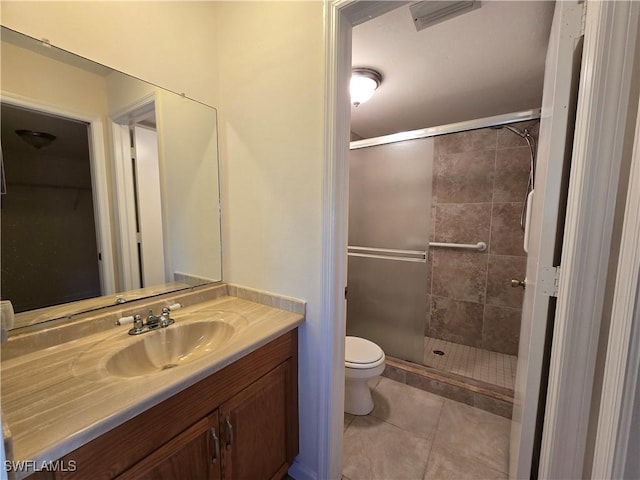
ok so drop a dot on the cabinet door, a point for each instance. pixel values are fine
(192, 455)
(256, 428)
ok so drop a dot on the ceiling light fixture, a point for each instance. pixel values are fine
(364, 82)
(36, 139)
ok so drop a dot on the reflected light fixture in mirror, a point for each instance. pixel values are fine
(36, 139)
(364, 82)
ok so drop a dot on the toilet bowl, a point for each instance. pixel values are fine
(363, 360)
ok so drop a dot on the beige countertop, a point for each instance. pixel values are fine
(57, 399)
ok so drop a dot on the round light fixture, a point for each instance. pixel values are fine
(364, 82)
(36, 139)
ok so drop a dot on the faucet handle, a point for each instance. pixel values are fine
(137, 325)
(165, 319)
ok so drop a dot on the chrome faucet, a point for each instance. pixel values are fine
(153, 322)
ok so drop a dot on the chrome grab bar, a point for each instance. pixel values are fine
(480, 246)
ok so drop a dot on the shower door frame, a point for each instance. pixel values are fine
(340, 17)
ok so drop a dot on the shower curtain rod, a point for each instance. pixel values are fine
(450, 128)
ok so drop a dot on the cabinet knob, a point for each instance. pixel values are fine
(518, 283)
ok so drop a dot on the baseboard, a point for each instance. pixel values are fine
(299, 471)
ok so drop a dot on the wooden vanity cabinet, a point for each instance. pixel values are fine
(192, 454)
(254, 425)
(239, 423)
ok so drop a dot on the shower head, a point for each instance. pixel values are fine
(517, 131)
(526, 134)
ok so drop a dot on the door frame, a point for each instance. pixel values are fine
(623, 353)
(125, 207)
(559, 99)
(99, 180)
(149, 201)
(602, 114)
(125, 201)
(587, 236)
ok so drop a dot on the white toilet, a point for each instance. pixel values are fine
(363, 360)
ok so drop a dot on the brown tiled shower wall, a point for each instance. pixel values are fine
(479, 185)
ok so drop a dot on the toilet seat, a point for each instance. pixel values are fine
(361, 353)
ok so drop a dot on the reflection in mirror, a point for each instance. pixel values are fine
(111, 185)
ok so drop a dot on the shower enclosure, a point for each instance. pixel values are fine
(435, 240)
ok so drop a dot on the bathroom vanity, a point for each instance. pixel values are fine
(229, 410)
(213, 395)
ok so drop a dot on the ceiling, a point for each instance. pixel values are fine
(486, 62)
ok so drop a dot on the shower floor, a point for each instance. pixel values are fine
(491, 367)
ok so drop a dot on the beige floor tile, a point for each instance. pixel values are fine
(348, 418)
(377, 450)
(407, 407)
(449, 464)
(476, 435)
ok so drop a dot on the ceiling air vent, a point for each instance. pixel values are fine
(429, 13)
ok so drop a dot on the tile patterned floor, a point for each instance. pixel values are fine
(491, 367)
(413, 434)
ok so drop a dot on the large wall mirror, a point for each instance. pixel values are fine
(109, 185)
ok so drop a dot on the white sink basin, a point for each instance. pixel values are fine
(169, 347)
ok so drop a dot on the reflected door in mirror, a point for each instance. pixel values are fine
(49, 251)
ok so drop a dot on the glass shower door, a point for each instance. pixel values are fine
(389, 224)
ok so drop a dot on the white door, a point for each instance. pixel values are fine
(149, 206)
(547, 218)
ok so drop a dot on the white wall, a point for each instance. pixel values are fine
(262, 64)
(74, 91)
(174, 37)
(74, 88)
(189, 166)
(188, 151)
(123, 92)
(271, 135)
